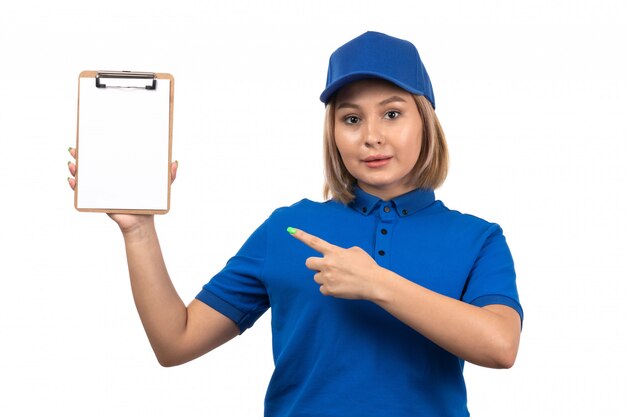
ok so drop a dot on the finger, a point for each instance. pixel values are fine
(72, 152)
(72, 167)
(311, 241)
(318, 278)
(174, 170)
(314, 263)
(323, 290)
(72, 182)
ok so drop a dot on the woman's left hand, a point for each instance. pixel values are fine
(343, 273)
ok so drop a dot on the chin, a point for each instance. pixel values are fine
(379, 183)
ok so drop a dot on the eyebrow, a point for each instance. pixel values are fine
(382, 103)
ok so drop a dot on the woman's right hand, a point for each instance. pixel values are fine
(126, 222)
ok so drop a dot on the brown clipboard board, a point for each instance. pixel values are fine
(124, 142)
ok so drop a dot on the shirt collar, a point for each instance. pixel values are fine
(405, 204)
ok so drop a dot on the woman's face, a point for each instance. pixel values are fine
(378, 131)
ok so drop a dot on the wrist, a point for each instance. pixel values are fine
(379, 285)
(139, 231)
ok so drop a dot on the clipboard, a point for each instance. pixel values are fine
(124, 142)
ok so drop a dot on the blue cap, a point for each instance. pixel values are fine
(376, 55)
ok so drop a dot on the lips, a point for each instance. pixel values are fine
(376, 158)
(375, 161)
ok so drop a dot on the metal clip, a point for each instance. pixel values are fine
(126, 75)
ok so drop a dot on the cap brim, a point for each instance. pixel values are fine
(356, 76)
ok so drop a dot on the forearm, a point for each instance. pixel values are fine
(475, 334)
(161, 310)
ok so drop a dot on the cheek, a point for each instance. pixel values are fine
(410, 143)
(345, 143)
(348, 157)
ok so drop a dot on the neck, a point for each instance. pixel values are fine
(386, 194)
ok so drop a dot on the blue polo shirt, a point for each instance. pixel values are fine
(344, 358)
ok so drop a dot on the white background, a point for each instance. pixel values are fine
(531, 96)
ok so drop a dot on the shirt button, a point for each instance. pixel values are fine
(386, 209)
(381, 252)
(405, 212)
(383, 231)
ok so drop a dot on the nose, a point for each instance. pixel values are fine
(373, 134)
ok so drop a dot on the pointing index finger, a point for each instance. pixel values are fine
(311, 241)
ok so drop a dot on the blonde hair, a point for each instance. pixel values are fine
(430, 170)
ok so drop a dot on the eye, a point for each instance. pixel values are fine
(351, 120)
(392, 114)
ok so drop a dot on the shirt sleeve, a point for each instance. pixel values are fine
(237, 291)
(492, 277)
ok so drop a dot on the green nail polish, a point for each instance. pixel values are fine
(291, 230)
(69, 162)
(69, 149)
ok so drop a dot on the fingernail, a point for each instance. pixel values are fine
(291, 230)
(68, 179)
(176, 162)
(69, 149)
(69, 162)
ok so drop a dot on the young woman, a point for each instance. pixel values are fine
(383, 293)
